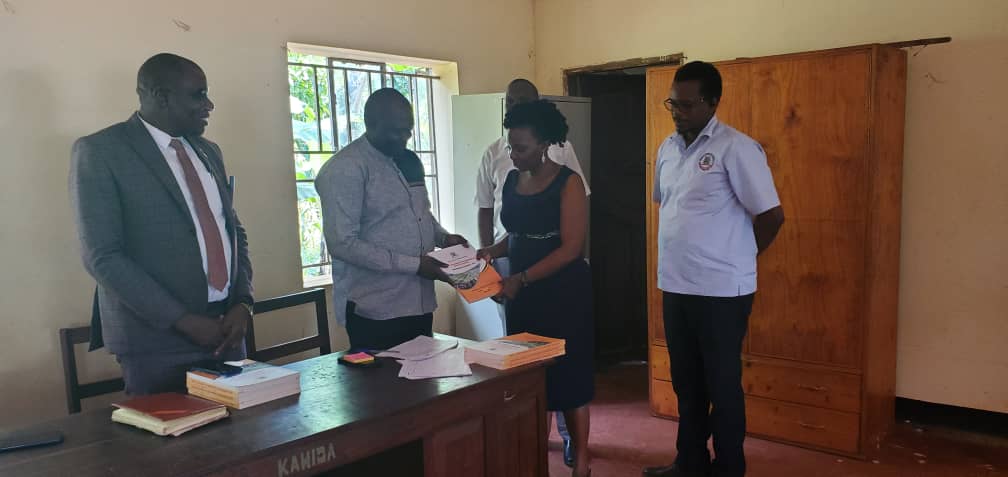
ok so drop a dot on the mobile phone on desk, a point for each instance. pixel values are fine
(27, 439)
(218, 368)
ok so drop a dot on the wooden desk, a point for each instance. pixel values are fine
(489, 424)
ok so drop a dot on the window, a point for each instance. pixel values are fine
(327, 95)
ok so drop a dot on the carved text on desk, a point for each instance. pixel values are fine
(304, 460)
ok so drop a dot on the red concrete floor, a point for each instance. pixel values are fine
(625, 438)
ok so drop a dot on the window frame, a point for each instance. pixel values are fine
(343, 65)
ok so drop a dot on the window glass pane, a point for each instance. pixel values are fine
(304, 117)
(432, 194)
(402, 84)
(417, 70)
(306, 166)
(428, 163)
(423, 131)
(357, 65)
(316, 271)
(325, 110)
(340, 107)
(313, 249)
(359, 90)
(295, 57)
(376, 82)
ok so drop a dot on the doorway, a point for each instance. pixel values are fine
(617, 209)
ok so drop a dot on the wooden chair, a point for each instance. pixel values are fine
(75, 391)
(320, 340)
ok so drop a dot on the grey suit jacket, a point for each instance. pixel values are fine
(138, 238)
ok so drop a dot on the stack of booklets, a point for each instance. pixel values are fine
(168, 414)
(256, 384)
(514, 350)
(474, 278)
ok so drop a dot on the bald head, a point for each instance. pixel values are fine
(163, 70)
(520, 91)
(388, 117)
(173, 95)
(383, 102)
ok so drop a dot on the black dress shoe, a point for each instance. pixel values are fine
(568, 450)
(671, 471)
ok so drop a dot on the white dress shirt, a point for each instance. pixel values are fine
(163, 141)
(494, 168)
(708, 194)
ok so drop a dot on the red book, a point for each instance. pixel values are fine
(169, 406)
(168, 413)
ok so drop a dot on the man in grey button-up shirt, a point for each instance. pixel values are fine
(379, 228)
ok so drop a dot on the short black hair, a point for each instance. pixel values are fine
(524, 84)
(381, 99)
(542, 117)
(162, 69)
(706, 73)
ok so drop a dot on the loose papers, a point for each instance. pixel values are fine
(424, 357)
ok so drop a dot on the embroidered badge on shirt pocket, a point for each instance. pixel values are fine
(706, 162)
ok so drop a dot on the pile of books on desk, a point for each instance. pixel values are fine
(210, 393)
(256, 384)
(514, 350)
(168, 414)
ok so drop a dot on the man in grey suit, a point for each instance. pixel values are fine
(159, 233)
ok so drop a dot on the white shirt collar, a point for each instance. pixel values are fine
(708, 130)
(161, 138)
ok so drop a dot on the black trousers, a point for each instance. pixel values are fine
(704, 336)
(368, 334)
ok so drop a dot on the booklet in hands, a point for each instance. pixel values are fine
(474, 278)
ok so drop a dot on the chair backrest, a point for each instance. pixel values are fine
(320, 340)
(75, 391)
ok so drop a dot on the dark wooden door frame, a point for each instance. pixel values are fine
(677, 59)
(664, 60)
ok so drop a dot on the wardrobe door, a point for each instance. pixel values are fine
(811, 114)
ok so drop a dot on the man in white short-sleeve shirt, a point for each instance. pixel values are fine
(496, 163)
(493, 171)
(718, 209)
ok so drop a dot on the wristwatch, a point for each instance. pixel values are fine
(524, 279)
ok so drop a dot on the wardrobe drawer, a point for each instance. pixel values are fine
(821, 388)
(659, 362)
(809, 425)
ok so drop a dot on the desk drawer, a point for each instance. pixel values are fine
(528, 383)
(803, 424)
(659, 361)
(820, 388)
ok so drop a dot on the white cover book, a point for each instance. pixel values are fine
(253, 373)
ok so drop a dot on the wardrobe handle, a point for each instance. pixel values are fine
(818, 389)
(811, 426)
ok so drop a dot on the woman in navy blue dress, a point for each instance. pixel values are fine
(549, 291)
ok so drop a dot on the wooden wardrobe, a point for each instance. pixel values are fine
(819, 361)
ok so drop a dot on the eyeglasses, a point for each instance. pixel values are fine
(681, 106)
